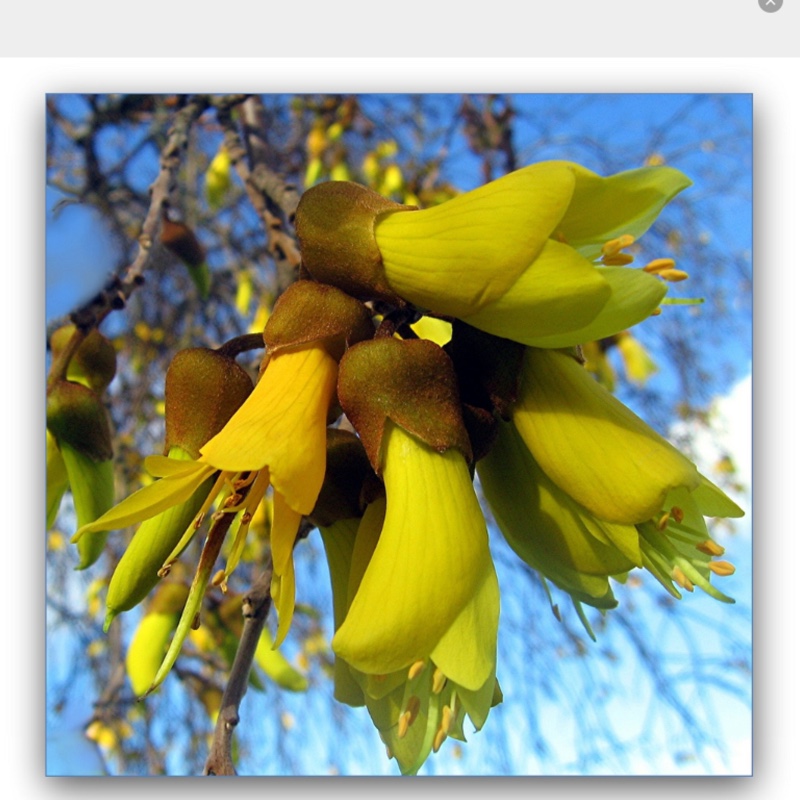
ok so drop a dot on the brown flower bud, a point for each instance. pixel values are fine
(412, 383)
(203, 389)
(335, 224)
(309, 312)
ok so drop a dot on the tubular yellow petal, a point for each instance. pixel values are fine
(282, 425)
(559, 292)
(627, 203)
(431, 560)
(457, 257)
(592, 446)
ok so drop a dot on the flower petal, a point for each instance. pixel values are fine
(431, 559)
(560, 291)
(282, 425)
(604, 208)
(634, 296)
(591, 445)
(150, 500)
(457, 257)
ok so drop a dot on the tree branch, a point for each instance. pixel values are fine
(255, 607)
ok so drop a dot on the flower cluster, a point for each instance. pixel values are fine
(374, 434)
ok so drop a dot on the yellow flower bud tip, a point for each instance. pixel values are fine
(438, 740)
(722, 568)
(681, 579)
(439, 681)
(615, 246)
(416, 669)
(710, 548)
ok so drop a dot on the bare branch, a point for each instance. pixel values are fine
(255, 607)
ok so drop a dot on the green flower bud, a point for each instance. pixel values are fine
(94, 363)
(76, 415)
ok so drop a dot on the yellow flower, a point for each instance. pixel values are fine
(583, 489)
(522, 257)
(420, 633)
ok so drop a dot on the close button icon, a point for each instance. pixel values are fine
(770, 5)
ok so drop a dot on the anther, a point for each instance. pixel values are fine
(721, 568)
(659, 265)
(219, 577)
(663, 522)
(681, 579)
(439, 680)
(673, 275)
(710, 548)
(403, 724)
(196, 621)
(438, 740)
(677, 514)
(447, 718)
(618, 260)
(614, 246)
(165, 570)
(198, 520)
(416, 669)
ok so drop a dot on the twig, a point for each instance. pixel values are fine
(117, 291)
(270, 196)
(255, 607)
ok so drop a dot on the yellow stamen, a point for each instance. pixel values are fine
(722, 568)
(439, 680)
(681, 579)
(403, 724)
(710, 548)
(219, 577)
(618, 260)
(447, 718)
(616, 245)
(673, 275)
(438, 740)
(416, 669)
(659, 265)
(663, 522)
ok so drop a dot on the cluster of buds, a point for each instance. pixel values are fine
(373, 432)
